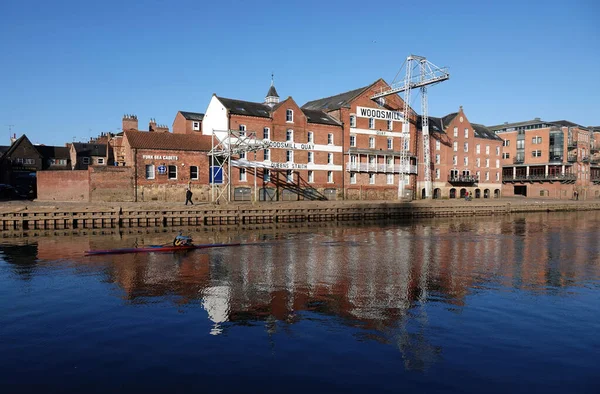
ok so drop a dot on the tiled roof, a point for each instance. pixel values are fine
(53, 152)
(168, 141)
(566, 123)
(335, 102)
(481, 131)
(437, 125)
(319, 117)
(90, 149)
(192, 115)
(517, 124)
(247, 108)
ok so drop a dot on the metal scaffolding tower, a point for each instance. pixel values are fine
(230, 148)
(427, 74)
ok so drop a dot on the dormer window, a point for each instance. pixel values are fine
(289, 115)
(196, 126)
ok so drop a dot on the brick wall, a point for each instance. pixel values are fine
(63, 185)
(111, 184)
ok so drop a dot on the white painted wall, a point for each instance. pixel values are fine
(215, 119)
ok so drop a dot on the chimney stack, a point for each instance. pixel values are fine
(130, 122)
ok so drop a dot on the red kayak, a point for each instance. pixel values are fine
(156, 248)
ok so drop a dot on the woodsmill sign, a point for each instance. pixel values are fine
(376, 113)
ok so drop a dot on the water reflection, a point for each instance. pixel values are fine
(383, 281)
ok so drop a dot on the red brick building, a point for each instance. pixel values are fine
(549, 159)
(164, 164)
(302, 158)
(465, 158)
(188, 123)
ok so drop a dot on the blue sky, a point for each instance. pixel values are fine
(71, 69)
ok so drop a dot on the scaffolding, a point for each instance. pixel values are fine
(231, 148)
(420, 73)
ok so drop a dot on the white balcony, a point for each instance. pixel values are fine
(380, 168)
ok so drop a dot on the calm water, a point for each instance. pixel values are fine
(491, 305)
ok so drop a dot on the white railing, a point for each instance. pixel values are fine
(378, 167)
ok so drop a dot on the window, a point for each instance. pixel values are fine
(172, 172)
(390, 125)
(372, 142)
(466, 147)
(352, 120)
(371, 123)
(506, 155)
(536, 140)
(311, 137)
(466, 133)
(289, 135)
(289, 176)
(506, 143)
(289, 115)
(478, 162)
(352, 140)
(329, 139)
(487, 175)
(478, 173)
(497, 163)
(242, 129)
(289, 155)
(100, 160)
(466, 160)
(497, 176)
(329, 176)
(266, 133)
(149, 171)
(330, 158)
(497, 151)
(456, 131)
(193, 172)
(455, 146)
(477, 149)
(267, 175)
(371, 179)
(85, 160)
(242, 174)
(390, 143)
(267, 154)
(390, 179)
(437, 159)
(311, 176)
(196, 126)
(353, 178)
(455, 160)
(487, 163)
(311, 157)
(536, 153)
(242, 155)
(437, 145)
(520, 144)
(487, 149)
(437, 173)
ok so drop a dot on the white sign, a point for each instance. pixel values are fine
(290, 165)
(291, 145)
(159, 157)
(376, 113)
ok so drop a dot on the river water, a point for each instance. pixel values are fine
(489, 304)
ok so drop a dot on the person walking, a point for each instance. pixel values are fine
(188, 195)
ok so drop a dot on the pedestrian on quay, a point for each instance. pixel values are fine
(576, 196)
(188, 195)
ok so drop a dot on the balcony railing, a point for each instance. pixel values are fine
(572, 158)
(518, 160)
(467, 179)
(378, 167)
(549, 177)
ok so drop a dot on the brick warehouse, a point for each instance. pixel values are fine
(465, 158)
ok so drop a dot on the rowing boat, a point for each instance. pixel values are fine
(156, 248)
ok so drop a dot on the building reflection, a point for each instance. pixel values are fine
(378, 280)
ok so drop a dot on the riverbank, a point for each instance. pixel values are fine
(29, 217)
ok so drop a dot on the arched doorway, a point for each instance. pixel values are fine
(477, 193)
(437, 193)
(486, 193)
(423, 196)
(463, 192)
(453, 193)
(497, 193)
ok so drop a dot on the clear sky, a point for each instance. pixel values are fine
(71, 69)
